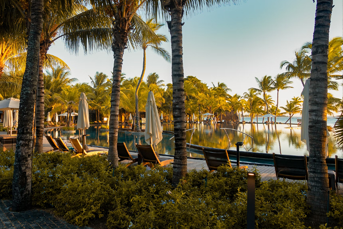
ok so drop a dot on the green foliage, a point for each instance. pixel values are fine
(66, 128)
(336, 207)
(81, 189)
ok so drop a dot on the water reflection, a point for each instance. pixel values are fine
(279, 139)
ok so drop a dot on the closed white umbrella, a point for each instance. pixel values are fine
(153, 128)
(304, 115)
(130, 117)
(161, 116)
(16, 118)
(193, 118)
(56, 118)
(48, 119)
(8, 119)
(83, 118)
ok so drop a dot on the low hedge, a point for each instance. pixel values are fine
(82, 189)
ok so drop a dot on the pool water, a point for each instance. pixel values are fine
(279, 139)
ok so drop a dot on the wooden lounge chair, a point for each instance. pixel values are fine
(338, 170)
(149, 156)
(81, 151)
(124, 154)
(215, 158)
(61, 145)
(290, 167)
(52, 142)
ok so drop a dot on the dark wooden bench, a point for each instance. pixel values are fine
(215, 158)
(338, 170)
(290, 167)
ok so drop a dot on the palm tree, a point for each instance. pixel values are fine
(99, 90)
(68, 100)
(253, 102)
(153, 78)
(318, 184)
(291, 108)
(281, 82)
(300, 67)
(154, 43)
(22, 175)
(265, 85)
(176, 9)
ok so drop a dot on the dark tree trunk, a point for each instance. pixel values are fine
(22, 175)
(179, 111)
(40, 103)
(318, 183)
(137, 89)
(119, 43)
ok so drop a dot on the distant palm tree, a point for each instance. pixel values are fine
(154, 42)
(300, 67)
(153, 78)
(281, 82)
(291, 108)
(265, 85)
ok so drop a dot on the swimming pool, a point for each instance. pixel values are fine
(279, 139)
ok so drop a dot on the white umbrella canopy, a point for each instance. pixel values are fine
(305, 114)
(9, 104)
(153, 128)
(8, 119)
(48, 118)
(74, 114)
(16, 118)
(56, 118)
(83, 118)
(64, 114)
(207, 114)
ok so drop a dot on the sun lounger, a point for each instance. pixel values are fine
(149, 156)
(215, 158)
(61, 145)
(82, 152)
(338, 170)
(52, 142)
(290, 167)
(124, 154)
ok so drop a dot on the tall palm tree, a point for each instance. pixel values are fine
(22, 175)
(253, 102)
(155, 43)
(265, 85)
(176, 9)
(318, 183)
(281, 82)
(300, 67)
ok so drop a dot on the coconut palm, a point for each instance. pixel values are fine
(155, 43)
(22, 174)
(265, 85)
(253, 103)
(300, 67)
(99, 90)
(153, 78)
(281, 82)
(292, 107)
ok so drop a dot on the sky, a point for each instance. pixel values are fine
(231, 43)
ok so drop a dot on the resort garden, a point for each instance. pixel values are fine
(88, 190)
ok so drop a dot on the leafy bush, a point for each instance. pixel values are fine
(336, 207)
(104, 127)
(81, 189)
(70, 128)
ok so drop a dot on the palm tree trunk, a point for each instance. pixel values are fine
(318, 183)
(136, 93)
(119, 43)
(179, 114)
(40, 104)
(22, 175)
(277, 103)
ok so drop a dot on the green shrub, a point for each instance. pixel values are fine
(104, 127)
(65, 128)
(336, 207)
(6, 174)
